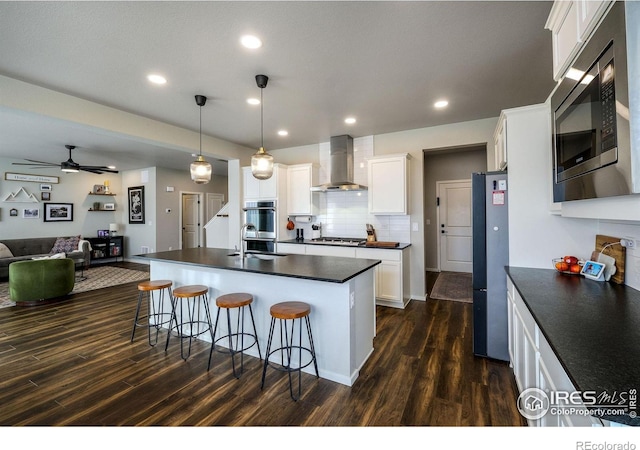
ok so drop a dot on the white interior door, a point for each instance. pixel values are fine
(454, 226)
(214, 203)
(190, 221)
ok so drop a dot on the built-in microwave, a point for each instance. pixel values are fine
(591, 112)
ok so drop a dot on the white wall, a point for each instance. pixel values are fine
(73, 188)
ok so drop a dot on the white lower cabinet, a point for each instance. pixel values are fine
(391, 275)
(535, 365)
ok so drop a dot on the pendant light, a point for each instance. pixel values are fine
(200, 169)
(262, 162)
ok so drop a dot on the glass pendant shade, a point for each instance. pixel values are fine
(262, 165)
(200, 171)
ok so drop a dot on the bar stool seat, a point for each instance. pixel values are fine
(283, 312)
(239, 301)
(156, 315)
(191, 324)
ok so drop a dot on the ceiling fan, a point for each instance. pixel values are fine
(67, 166)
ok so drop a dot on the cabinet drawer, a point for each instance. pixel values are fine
(376, 253)
(329, 250)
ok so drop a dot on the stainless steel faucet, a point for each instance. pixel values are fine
(246, 226)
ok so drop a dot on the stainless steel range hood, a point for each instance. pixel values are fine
(340, 167)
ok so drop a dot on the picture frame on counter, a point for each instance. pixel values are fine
(58, 212)
(109, 207)
(103, 233)
(98, 189)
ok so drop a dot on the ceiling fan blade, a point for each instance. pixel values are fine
(35, 165)
(97, 172)
(100, 168)
(33, 161)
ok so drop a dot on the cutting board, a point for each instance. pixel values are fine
(382, 244)
(616, 251)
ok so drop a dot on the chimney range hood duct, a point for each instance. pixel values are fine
(340, 167)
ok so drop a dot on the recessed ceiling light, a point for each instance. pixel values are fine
(250, 41)
(253, 101)
(156, 79)
(283, 133)
(441, 103)
(350, 120)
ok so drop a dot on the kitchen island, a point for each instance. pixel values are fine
(341, 292)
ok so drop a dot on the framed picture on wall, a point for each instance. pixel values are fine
(136, 204)
(30, 213)
(46, 196)
(58, 212)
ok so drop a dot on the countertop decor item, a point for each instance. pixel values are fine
(610, 246)
(200, 169)
(261, 161)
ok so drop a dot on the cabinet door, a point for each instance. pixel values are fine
(330, 250)
(299, 196)
(500, 140)
(251, 184)
(388, 180)
(388, 281)
(589, 13)
(565, 42)
(269, 188)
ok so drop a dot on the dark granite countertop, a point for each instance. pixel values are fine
(593, 327)
(402, 245)
(320, 268)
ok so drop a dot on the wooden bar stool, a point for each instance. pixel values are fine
(156, 316)
(238, 301)
(290, 311)
(191, 323)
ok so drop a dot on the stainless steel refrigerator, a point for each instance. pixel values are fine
(490, 256)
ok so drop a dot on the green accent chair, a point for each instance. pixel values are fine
(34, 281)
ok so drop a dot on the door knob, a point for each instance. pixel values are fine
(443, 231)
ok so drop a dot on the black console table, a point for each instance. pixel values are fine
(106, 248)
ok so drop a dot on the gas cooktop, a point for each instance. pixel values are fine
(339, 241)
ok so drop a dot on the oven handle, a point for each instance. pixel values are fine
(259, 239)
(260, 208)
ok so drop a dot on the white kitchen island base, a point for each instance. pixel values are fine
(342, 314)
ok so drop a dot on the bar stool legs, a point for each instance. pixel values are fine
(191, 324)
(238, 301)
(283, 312)
(156, 315)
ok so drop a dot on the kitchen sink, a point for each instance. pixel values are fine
(259, 255)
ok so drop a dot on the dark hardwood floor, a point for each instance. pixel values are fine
(71, 363)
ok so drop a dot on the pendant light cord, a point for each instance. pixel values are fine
(261, 121)
(201, 131)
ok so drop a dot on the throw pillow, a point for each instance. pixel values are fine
(65, 245)
(5, 252)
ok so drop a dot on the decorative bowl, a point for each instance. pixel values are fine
(555, 261)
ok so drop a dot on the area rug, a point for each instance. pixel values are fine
(96, 278)
(454, 286)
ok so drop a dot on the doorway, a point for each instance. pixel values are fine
(455, 248)
(190, 223)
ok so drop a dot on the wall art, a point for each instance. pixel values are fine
(136, 204)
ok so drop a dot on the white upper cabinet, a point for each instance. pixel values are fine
(500, 142)
(300, 199)
(255, 189)
(389, 184)
(571, 24)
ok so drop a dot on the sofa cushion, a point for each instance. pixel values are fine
(65, 245)
(5, 252)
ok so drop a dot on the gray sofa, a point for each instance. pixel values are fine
(27, 248)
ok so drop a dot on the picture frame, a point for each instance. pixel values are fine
(98, 189)
(45, 188)
(58, 212)
(31, 213)
(103, 233)
(136, 204)
(109, 207)
(45, 196)
(13, 212)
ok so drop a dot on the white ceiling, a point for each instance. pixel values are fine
(382, 62)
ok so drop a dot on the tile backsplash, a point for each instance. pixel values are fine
(345, 214)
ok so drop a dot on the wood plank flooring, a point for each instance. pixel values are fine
(72, 364)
